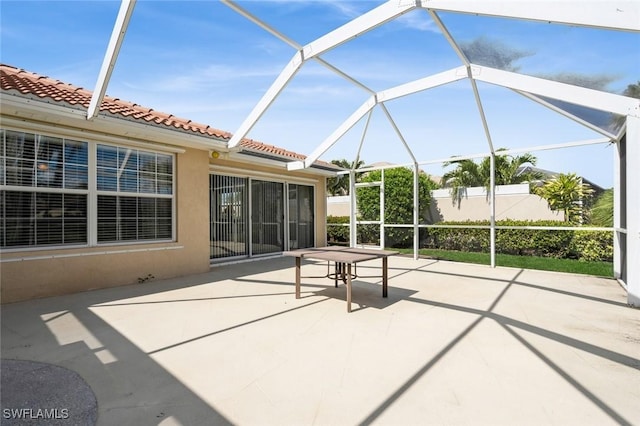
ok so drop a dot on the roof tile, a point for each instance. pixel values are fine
(31, 84)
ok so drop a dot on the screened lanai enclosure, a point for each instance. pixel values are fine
(481, 77)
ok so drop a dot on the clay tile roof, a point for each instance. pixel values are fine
(33, 85)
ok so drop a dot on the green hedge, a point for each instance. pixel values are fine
(582, 245)
(560, 244)
(338, 235)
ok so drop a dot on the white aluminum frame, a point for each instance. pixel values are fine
(617, 15)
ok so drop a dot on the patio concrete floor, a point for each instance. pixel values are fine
(452, 344)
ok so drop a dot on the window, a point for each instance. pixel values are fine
(46, 192)
(134, 194)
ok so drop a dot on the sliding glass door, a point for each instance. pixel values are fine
(301, 211)
(267, 217)
(228, 219)
(247, 217)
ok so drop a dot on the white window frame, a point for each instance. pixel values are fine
(92, 194)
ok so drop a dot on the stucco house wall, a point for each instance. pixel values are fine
(27, 274)
(40, 105)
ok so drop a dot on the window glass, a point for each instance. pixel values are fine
(133, 218)
(107, 163)
(20, 158)
(129, 170)
(52, 209)
(75, 164)
(128, 218)
(36, 218)
(49, 162)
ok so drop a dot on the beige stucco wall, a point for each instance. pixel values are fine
(512, 202)
(338, 206)
(39, 273)
(28, 274)
(516, 207)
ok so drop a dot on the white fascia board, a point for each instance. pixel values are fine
(110, 57)
(358, 26)
(267, 99)
(40, 115)
(275, 163)
(157, 133)
(421, 84)
(339, 132)
(61, 131)
(595, 99)
(610, 14)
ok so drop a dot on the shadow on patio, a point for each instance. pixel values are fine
(453, 344)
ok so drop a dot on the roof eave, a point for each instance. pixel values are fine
(253, 156)
(64, 115)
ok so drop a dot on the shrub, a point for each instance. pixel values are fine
(398, 198)
(586, 246)
(583, 245)
(337, 234)
(592, 246)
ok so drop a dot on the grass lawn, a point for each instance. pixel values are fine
(602, 269)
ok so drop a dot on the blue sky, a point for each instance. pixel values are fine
(205, 62)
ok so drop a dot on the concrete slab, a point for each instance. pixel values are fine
(452, 344)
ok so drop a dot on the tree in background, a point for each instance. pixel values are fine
(398, 201)
(339, 185)
(469, 174)
(602, 210)
(567, 192)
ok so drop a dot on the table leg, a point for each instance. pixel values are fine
(298, 274)
(335, 270)
(348, 287)
(384, 276)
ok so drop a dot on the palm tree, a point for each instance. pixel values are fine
(339, 185)
(567, 192)
(602, 210)
(466, 174)
(508, 170)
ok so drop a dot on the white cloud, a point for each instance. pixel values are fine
(205, 77)
(418, 20)
(348, 9)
